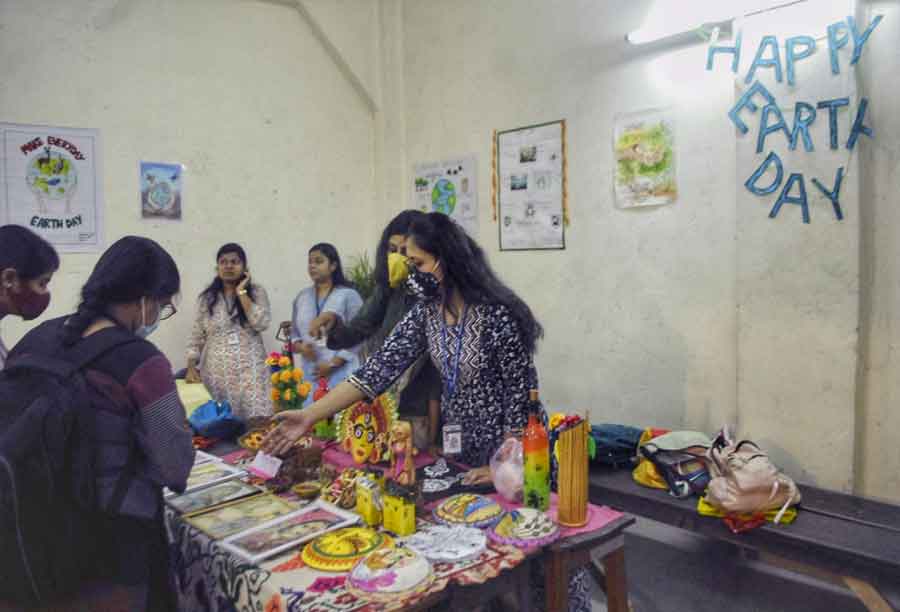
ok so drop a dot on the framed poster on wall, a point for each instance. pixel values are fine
(529, 186)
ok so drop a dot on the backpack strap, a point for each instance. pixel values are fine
(72, 359)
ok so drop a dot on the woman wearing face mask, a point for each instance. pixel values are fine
(226, 350)
(27, 263)
(420, 386)
(330, 290)
(143, 440)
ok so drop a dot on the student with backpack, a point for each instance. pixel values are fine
(112, 433)
(27, 263)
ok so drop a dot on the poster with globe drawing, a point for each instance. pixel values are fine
(644, 149)
(161, 190)
(448, 187)
(530, 186)
(50, 182)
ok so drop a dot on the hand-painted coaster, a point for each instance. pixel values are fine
(468, 509)
(338, 551)
(390, 573)
(525, 528)
(447, 543)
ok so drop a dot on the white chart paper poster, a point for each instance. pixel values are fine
(50, 182)
(530, 187)
(448, 187)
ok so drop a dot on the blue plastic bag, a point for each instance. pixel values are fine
(215, 420)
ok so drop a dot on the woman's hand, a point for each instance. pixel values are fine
(192, 376)
(294, 423)
(326, 321)
(477, 476)
(242, 286)
(307, 349)
(324, 369)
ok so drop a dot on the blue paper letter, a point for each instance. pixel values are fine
(835, 43)
(735, 51)
(765, 129)
(835, 194)
(793, 55)
(859, 41)
(858, 127)
(750, 183)
(832, 106)
(767, 41)
(801, 125)
(785, 198)
(745, 100)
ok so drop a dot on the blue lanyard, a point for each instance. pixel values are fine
(453, 375)
(319, 306)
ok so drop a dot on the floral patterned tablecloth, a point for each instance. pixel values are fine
(210, 578)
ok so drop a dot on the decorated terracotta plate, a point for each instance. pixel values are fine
(524, 527)
(339, 550)
(447, 543)
(468, 509)
(252, 440)
(390, 573)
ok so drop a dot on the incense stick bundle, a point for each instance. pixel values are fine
(573, 475)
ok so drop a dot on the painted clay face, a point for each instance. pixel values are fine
(364, 434)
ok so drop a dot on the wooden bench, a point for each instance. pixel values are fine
(837, 537)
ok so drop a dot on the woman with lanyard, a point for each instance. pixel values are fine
(332, 291)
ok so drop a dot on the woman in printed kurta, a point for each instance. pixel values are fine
(332, 291)
(226, 349)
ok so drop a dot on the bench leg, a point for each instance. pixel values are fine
(556, 581)
(616, 581)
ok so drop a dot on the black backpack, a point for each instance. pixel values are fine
(48, 501)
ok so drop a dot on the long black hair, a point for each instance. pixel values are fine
(331, 254)
(132, 268)
(398, 225)
(466, 269)
(217, 287)
(26, 252)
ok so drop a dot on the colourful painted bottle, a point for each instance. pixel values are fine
(536, 451)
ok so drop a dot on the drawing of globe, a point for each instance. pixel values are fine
(443, 197)
(52, 175)
(161, 195)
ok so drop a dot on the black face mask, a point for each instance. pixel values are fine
(423, 285)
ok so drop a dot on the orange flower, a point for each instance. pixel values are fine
(284, 361)
(276, 395)
(304, 389)
(285, 376)
(275, 378)
(297, 374)
(288, 395)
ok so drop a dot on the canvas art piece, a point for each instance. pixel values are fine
(289, 531)
(241, 515)
(645, 159)
(216, 495)
(207, 474)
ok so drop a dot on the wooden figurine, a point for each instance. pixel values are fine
(403, 468)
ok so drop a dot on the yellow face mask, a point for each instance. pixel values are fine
(397, 269)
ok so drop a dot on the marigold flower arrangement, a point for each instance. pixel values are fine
(289, 390)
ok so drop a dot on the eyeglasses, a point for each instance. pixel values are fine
(167, 311)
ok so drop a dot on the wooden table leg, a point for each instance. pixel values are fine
(556, 581)
(616, 581)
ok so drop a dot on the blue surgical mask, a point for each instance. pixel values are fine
(147, 328)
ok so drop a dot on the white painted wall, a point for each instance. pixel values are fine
(278, 145)
(878, 453)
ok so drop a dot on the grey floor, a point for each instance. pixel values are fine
(672, 570)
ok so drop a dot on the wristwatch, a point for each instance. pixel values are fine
(242, 292)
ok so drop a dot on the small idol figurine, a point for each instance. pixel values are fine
(403, 468)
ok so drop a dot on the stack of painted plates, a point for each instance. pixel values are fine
(389, 574)
(525, 527)
(339, 551)
(468, 509)
(447, 543)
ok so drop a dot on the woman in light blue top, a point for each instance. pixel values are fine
(332, 292)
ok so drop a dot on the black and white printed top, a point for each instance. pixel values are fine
(496, 371)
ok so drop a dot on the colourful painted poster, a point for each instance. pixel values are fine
(161, 190)
(448, 187)
(50, 182)
(644, 149)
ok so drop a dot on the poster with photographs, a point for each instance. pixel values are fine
(161, 190)
(530, 175)
(448, 187)
(644, 147)
(51, 183)
(291, 530)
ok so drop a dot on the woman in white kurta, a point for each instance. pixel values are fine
(226, 349)
(330, 292)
